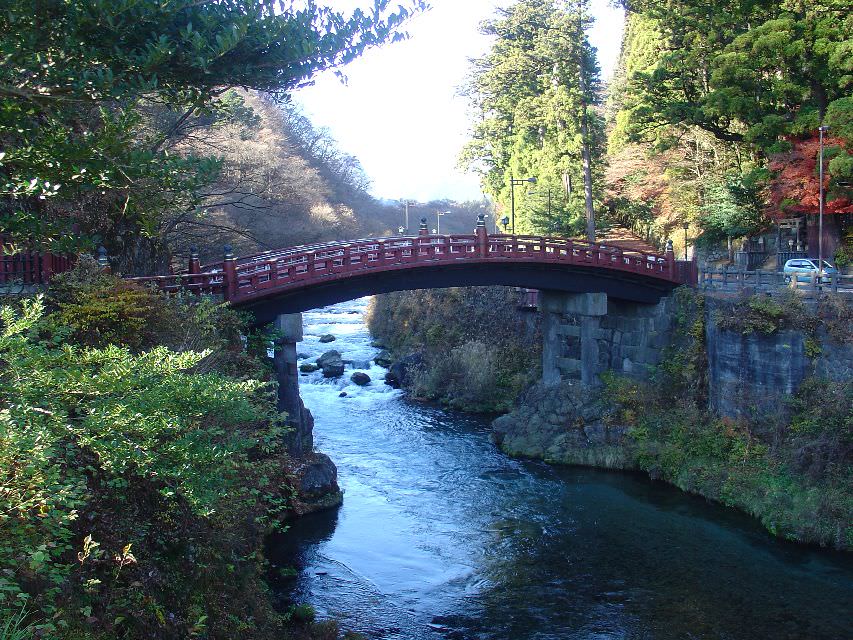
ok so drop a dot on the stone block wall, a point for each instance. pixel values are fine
(588, 334)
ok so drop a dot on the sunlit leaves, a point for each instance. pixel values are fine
(71, 417)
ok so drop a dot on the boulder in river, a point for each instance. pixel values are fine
(378, 344)
(361, 379)
(326, 339)
(316, 483)
(384, 359)
(400, 373)
(309, 367)
(332, 364)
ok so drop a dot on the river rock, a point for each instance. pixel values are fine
(309, 367)
(400, 373)
(384, 359)
(326, 339)
(378, 344)
(566, 423)
(332, 364)
(316, 483)
(361, 379)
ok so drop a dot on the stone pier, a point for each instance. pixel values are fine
(300, 441)
(586, 334)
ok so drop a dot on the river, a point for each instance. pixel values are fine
(442, 536)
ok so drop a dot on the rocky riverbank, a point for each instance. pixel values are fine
(473, 349)
(751, 405)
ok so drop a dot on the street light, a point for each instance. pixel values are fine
(685, 226)
(405, 204)
(438, 215)
(823, 129)
(513, 183)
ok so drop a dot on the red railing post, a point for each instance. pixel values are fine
(229, 274)
(195, 264)
(482, 236)
(423, 230)
(47, 267)
(670, 259)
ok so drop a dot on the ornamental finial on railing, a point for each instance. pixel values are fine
(424, 229)
(481, 220)
(229, 274)
(103, 259)
(195, 264)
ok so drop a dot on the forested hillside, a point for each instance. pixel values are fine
(285, 181)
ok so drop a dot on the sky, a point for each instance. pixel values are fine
(399, 112)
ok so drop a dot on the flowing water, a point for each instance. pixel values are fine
(442, 536)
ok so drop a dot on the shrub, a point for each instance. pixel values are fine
(80, 425)
(764, 314)
(822, 425)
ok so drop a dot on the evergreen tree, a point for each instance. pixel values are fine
(535, 96)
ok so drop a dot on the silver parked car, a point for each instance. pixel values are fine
(804, 268)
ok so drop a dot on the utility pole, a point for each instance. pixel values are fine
(823, 129)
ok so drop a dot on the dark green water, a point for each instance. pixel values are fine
(442, 536)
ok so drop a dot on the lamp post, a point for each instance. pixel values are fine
(405, 204)
(513, 183)
(823, 129)
(438, 215)
(685, 226)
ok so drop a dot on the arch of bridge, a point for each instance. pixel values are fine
(301, 278)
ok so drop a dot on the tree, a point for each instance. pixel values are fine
(734, 207)
(743, 71)
(82, 82)
(535, 95)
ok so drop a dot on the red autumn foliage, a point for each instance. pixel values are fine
(796, 179)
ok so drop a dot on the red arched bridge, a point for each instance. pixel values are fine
(306, 277)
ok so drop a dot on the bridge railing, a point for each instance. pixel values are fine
(29, 267)
(242, 279)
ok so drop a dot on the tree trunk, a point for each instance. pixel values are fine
(587, 168)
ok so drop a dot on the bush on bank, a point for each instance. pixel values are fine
(479, 351)
(142, 467)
